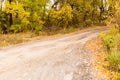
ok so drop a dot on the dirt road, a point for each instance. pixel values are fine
(55, 59)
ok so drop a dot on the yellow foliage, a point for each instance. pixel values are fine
(25, 21)
(64, 15)
(16, 10)
(102, 35)
(36, 19)
(114, 31)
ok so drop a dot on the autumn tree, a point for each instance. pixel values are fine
(37, 9)
(117, 14)
(61, 17)
(36, 15)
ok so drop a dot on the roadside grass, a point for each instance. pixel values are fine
(114, 60)
(111, 42)
(106, 49)
(18, 38)
(100, 57)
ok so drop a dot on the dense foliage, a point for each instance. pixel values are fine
(36, 15)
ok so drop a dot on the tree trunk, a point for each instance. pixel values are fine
(101, 10)
(11, 19)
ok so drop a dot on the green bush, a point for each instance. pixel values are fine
(109, 41)
(118, 44)
(88, 22)
(114, 60)
(62, 17)
(3, 23)
(36, 24)
(117, 76)
(113, 31)
(110, 38)
(16, 28)
(114, 63)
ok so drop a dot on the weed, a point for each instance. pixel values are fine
(114, 60)
(117, 75)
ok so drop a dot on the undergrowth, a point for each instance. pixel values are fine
(111, 42)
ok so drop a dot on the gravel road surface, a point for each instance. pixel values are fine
(63, 58)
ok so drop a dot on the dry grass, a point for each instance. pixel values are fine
(95, 46)
(12, 39)
(100, 63)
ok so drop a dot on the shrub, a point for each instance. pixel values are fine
(88, 22)
(61, 17)
(19, 15)
(36, 23)
(114, 31)
(114, 63)
(109, 41)
(114, 60)
(3, 23)
(118, 44)
(110, 38)
(16, 28)
(117, 76)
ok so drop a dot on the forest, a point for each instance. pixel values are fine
(52, 15)
(23, 21)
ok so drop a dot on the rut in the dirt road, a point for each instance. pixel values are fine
(58, 59)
